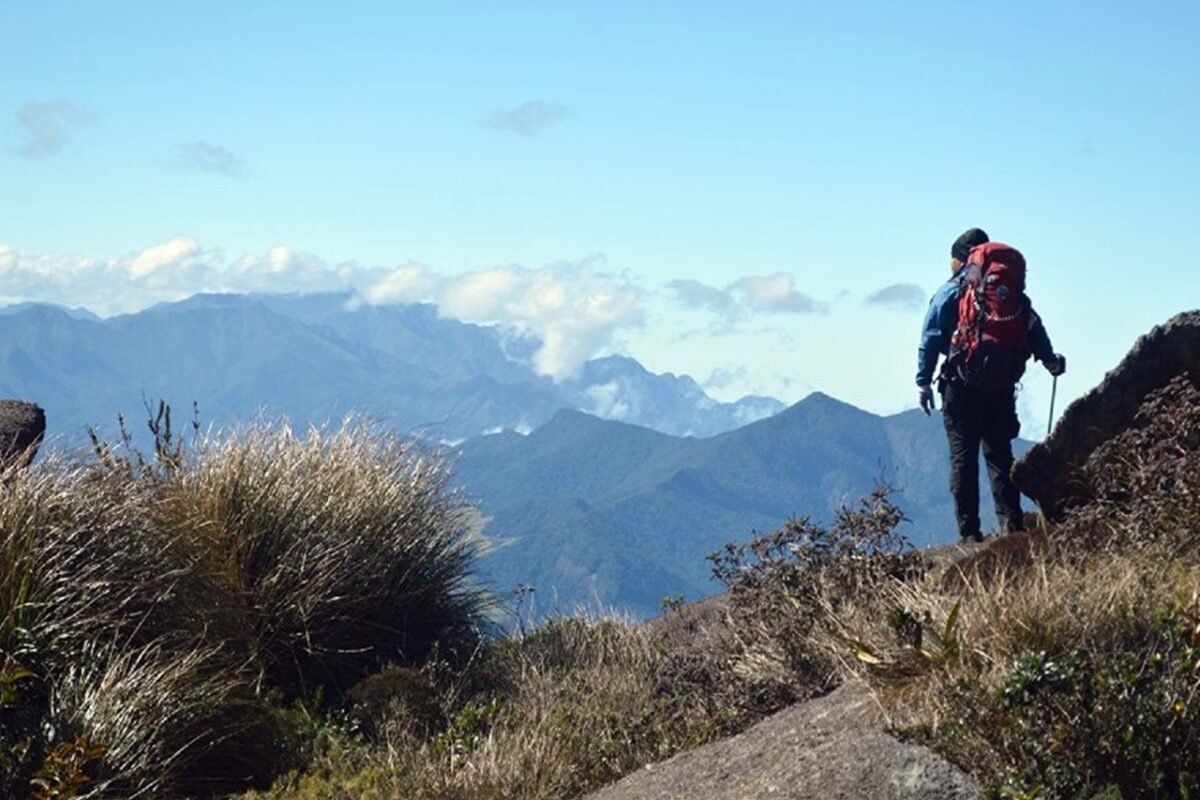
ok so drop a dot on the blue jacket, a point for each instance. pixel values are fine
(942, 318)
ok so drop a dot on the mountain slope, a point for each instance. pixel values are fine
(595, 511)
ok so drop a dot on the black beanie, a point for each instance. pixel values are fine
(963, 244)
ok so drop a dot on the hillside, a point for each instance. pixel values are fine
(590, 511)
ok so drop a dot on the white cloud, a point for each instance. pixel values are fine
(409, 283)
(485, 295)
(47, 126)
(608, 400)
(529, 119)
(724, 377)
(163, 255)
(775, 292)
(207, 157)
(899, 296)
(694, 294)
(171, 270)
(571, 309)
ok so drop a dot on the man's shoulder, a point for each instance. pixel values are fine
(947, 291)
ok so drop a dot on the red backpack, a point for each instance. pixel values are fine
(991, 344)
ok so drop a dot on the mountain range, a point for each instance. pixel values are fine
(600, 514)
(605, 513)
(316, 358)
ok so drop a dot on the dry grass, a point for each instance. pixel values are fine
(345, 549)
(201, 622)
(153, 612)
(570, 707)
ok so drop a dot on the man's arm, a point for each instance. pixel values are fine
(940, 321)
(1039, 340)
(1040, 346)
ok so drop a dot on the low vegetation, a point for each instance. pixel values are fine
(160, 617)
(292, 618)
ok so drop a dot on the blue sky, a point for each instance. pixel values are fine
(761, 195)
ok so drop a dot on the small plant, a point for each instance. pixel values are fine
(11, 674)
(671, 603)
(169, 446)
(466, 731)
(63, 773)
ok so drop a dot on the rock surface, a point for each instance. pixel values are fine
(824, 749)
(1051, 472)
(22, 426)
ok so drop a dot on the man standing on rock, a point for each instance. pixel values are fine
(985, 325)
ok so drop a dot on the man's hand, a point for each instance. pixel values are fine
(1058, 365)
(925, 398)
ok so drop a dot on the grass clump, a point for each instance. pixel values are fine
(340, 551)
(158, 614)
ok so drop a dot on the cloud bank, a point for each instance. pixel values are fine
(47, 127)
(573, 308)
(529, 119)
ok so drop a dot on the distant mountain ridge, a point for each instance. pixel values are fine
(596, 512)
(315, 358)
(617, 512)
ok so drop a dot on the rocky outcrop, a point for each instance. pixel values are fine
(22, 426)
(1052, 472)
(825, 748)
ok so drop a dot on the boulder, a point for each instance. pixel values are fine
(826, 748)
(1051, 473)
(22, 426)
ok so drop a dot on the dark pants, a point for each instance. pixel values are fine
(972, 418)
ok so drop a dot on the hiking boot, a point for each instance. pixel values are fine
(972, 538)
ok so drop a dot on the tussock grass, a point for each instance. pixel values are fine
(155, 614)
(343, 549)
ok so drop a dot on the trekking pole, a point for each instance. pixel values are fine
(1053, 392)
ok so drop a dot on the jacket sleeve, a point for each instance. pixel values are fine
(940, 321)
(1039, 340)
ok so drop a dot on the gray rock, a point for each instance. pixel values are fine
(824, 749)
(1051, 472)
(22, 426)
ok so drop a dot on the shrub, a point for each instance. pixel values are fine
(792, 589)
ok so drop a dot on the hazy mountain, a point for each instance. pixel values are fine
(590, 511)
(78, 313)
(315, 358)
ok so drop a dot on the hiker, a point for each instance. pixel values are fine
(985, 325)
